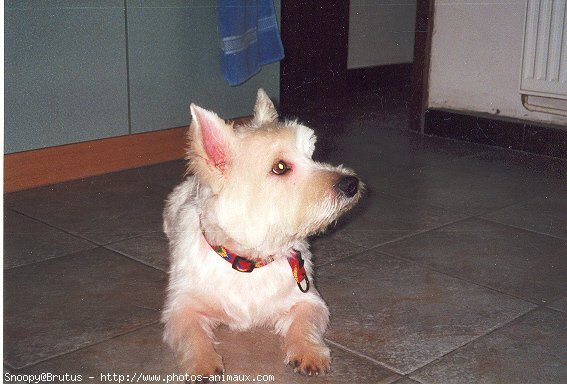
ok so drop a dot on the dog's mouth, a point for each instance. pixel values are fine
(341, 198)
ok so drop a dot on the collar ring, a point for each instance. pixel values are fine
(306, 279)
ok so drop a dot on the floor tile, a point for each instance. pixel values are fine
(479, 184)
(259, 352)
(404, 315)
(72, 301)
(28, 241)
(560, 304)
(383, 101)
(406, 380)
(135, 355)
(381, 218)
(394, 147)
(151, 249)
(522, 165)
(374, 173)
(510, 260)
(252, 353)
(101, 209)
(530, 350)
(167, 174)
(545, 214)
(330, 247)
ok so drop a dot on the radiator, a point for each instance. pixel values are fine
(544, 61)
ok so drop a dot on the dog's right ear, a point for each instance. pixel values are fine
(211, 141)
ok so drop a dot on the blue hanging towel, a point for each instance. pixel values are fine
(249, 38)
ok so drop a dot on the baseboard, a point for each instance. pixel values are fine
(362, 79)
(30, 169)
(498, 131)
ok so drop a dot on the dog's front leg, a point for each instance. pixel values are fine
(190, 335)
(303, 341)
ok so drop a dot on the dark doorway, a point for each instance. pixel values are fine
(315, 37)
(314, 71)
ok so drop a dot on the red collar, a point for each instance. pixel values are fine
(242, 264)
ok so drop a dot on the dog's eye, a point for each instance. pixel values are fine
(280, 168)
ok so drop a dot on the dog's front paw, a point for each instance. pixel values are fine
(204, 368)
(310, 359)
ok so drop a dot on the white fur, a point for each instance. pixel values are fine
(305, 139)
(234, 199)
(248, 299)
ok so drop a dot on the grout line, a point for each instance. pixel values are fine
(113, 242)
(489, 332)
(10, 366)
(79, 236)
(545, 304)
(420, 232)
(522, 201)
(407, 376)
(521, 228)
(462, 212)
(423, 203)
(74, 234)
(557, 297)
(131, 258)
(555, 310)
(142, 326)
(451, 161)
(69, 255)
(495, 148)
(430, 268)
(429, 204)
(554, 300)
(457, 159)
(377, 362)
(354, 254)
(94, 246)
(374, 247)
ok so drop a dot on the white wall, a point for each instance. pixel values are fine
(476, 57)
(381, 32)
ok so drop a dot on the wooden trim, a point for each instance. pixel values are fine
(521, 135)
(370, 78)
(52, 165)
(421, 59)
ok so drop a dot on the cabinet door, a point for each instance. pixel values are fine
(173, 53)
(65, 72)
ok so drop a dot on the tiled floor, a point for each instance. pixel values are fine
(453, 269)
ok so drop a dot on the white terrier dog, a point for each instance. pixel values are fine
(254, 197)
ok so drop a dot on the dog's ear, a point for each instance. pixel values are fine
(264, 110)
(210, 143)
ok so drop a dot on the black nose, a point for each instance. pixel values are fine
(348, 185)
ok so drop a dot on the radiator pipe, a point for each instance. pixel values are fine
(541, 108)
